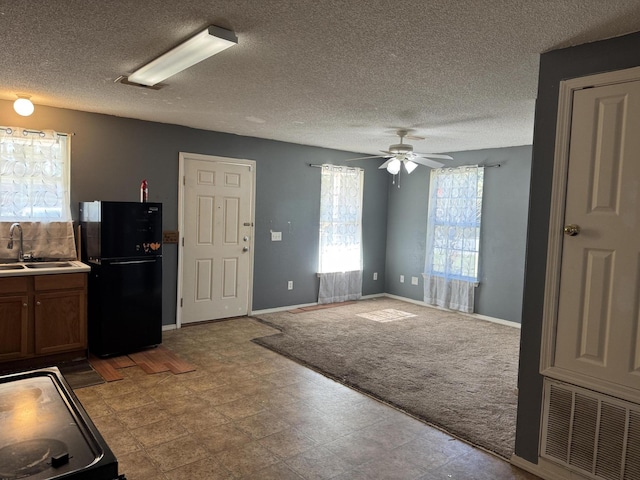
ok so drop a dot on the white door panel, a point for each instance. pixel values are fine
(599, 311)
(218, 230)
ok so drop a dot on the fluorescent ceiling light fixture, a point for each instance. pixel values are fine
(210, 41)
(23, 106)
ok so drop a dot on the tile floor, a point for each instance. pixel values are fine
(249, 413)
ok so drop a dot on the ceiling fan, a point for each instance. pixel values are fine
(402, 153)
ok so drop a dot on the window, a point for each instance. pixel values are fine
(453, 229)
(341, 219)
(453, 236)
(34, 175)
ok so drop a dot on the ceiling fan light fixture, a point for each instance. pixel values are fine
(394, 166)
(203, 45)
(410, 166)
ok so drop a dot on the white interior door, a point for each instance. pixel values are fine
(598, 332)
(217, 239)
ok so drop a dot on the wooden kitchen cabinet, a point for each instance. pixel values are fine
(42, 315)
(14, 318)
(60, 313)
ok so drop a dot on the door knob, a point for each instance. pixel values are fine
(245, 249)
(572, 230)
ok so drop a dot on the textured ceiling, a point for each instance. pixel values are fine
(337, 74)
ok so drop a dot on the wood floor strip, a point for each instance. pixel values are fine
(123, 361)
(177, 365)
(151, 361)
(147, 368)
(105, 369)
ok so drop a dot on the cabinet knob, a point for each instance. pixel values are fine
(25, 305)
(38, 303)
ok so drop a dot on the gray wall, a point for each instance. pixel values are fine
(503, 233)
(111, 155)
(607, 55)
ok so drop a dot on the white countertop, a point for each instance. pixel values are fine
(20, 269)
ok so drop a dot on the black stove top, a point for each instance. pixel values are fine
(45, 432)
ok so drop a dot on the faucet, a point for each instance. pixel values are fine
(10, 245)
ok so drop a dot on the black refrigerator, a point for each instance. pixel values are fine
(122, 242)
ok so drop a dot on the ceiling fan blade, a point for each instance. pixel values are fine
(434, 155)
(414, 137)
(363, 158)
(427, 162)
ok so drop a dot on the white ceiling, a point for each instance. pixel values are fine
(329, 73)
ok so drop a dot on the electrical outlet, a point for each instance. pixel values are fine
(276, 236)
(290, 285)
(414, 280)
(375, 275)
(401, 278)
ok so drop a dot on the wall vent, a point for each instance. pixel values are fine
(591, 433)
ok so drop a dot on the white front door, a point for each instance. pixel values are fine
(217, 251)
(598, 332)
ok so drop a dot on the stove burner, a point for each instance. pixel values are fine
(29, 457)
(9, 401)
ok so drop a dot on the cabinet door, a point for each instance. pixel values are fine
(60, 321)
(14, 315)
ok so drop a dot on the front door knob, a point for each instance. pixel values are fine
(572, 230)
(245, 249)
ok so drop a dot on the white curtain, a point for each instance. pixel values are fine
(453, 237)
(340, 255)
(34, 175)
(340, 286)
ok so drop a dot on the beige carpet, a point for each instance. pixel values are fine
(451, 370)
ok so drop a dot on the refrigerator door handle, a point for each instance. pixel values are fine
(130, 262)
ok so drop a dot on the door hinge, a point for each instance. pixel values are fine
(184, 179)
(183, 241)
(181, 302)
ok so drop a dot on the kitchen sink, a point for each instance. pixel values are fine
(49, 265)
(39, 267)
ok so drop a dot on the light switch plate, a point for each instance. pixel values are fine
(401, 278)
(276, 236)
(414, 280)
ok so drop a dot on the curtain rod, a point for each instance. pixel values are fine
(9, 131)
(315, 165)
